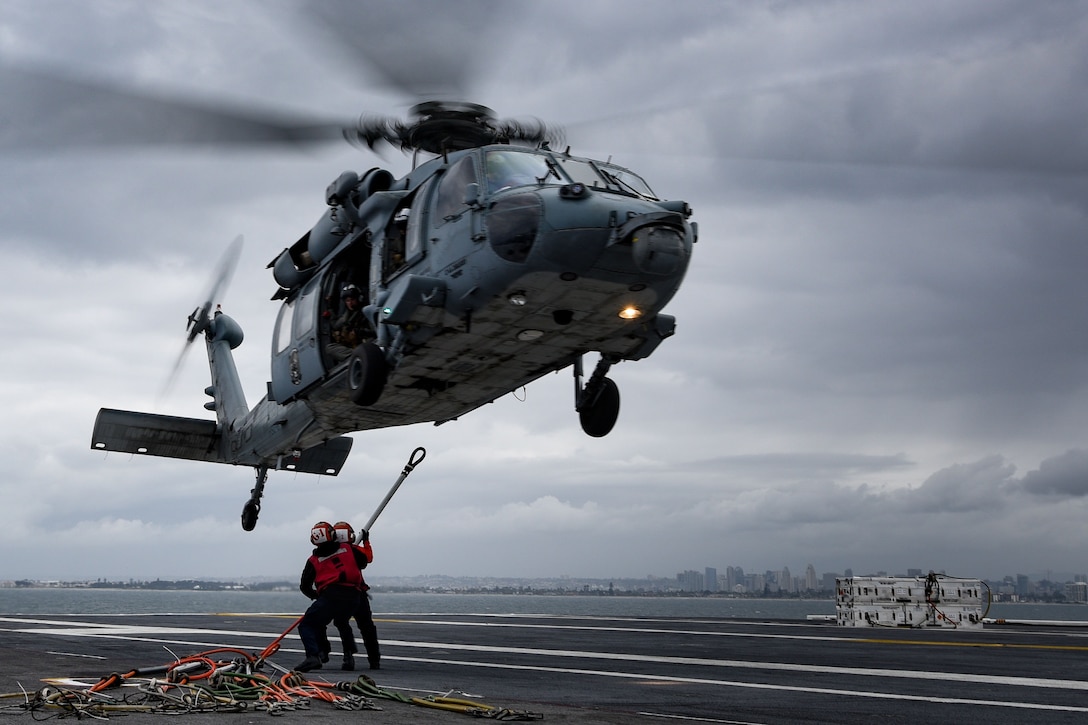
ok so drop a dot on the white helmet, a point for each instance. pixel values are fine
(322, 533)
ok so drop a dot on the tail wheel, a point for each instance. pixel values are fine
(367, 373)
(598, 417)
(249, 515)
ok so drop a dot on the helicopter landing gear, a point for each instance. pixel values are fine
(598, 403)
(367, 373)
(252, 509)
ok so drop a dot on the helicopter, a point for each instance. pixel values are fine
(496, 260)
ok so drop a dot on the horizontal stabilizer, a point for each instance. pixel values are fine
(326, 459)
(156, 435)
(193, 439)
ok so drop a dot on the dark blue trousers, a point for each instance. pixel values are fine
(335, 604)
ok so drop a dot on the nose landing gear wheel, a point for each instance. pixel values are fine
(598, 416)
(367, 373)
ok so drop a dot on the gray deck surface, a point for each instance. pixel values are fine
(601, 670)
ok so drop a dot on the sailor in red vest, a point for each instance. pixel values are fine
(364, 618)
(333, 578)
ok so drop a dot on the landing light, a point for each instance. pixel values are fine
(529, 335)
(517, 299)
(630, 313)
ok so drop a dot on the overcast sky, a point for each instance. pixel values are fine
(881, 359)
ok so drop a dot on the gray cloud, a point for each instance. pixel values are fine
(881, 327)
(1063, 476)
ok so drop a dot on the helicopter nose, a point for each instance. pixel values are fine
(652, 244)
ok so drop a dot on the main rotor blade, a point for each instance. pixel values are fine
(45, 109)
(417, 49)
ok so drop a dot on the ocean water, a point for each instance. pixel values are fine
(41, 601)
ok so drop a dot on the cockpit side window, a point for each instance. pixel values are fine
(507, 169)
(450, 197)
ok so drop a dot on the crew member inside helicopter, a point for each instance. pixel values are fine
(350, 328)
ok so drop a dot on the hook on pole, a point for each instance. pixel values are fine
(414, 460)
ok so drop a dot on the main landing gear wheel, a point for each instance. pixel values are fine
(367, 373)
(599, 415)
(252, 509)
(598, 403)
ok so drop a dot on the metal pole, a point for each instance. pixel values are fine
(413, 461)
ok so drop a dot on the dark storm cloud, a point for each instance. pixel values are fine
(960, 87)
(1062, 476)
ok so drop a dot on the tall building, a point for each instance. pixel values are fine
(1076, 592)
(785, 580)
(710, 579)
(811, 583)
(734, 577)
(690, 581)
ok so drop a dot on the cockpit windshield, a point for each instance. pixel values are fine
(597, 175)
(507, 169)
(629, 180)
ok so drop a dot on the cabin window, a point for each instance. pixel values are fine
(283, 326)
(306, 311)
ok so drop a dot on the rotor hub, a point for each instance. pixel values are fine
(441, 126)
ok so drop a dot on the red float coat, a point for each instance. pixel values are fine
(340, 567)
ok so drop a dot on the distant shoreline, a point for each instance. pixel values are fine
(585, 588)
(377, 586)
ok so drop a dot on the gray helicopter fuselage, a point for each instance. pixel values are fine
(477, 284)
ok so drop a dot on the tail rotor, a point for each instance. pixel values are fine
(200, 319)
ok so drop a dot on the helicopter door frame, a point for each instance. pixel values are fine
(297, 353)
(411, 248)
